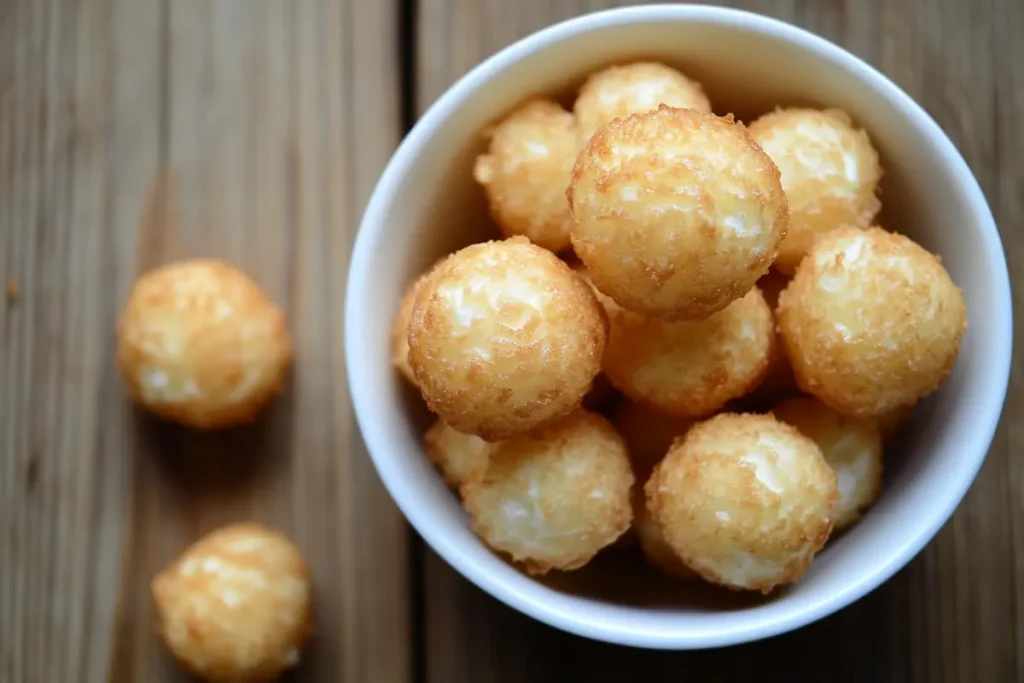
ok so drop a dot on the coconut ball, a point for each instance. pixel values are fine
(871, 321)
(618, 91)
(504, 338)
(461, 458)
(237, 605)
(526, 170)
(200, 343)
(745, 500)
(552, 498)
(830, 172)
(648, 434)
(691, 368)
(656, 550)
(676, 214)
(852, 447)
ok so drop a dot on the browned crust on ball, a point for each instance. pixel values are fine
(199, 343)
(675, 255)
(898, 350)
(701, 477)
(540, 363)
(818, 205)
(525, 190)
(691, 369)
(236, 606)
(555, 470)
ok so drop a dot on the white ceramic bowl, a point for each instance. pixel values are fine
(427, 204)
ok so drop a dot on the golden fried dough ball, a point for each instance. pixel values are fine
(618, 91)
(648, 434)
(237, 605)
(690, 368)
(200, 343)
(461, 458)
(871, 321)
(830, 173)
(652, 542)
(675, 213)
(400, 330)
(553, 498)
(852, 447)
(745, 500)
(503, 338)
(526, 171)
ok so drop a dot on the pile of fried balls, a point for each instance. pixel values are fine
(692, 340)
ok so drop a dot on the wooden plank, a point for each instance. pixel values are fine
(952, 614)
(133, 133)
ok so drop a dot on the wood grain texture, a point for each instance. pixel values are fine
(133, 133)
(954, 613)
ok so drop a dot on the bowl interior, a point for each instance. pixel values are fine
(428, 205)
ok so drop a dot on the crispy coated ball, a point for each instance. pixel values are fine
(618, 91)
(676, 213)
(526, 171)
(690, 368)
(830, 173)
(504, 338)
(648, 434)
(852, 447)
(237, 605)
(871, 321)
(553, 498)
(461, 458)
(400, 330)
(653, 545)
(745, 500)
(200, 343)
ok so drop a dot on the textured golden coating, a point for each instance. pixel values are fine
(504, 338)
(461, 458)
(871, 321)
(200, 343)
(237, 605)
(655, 548)
(618, 91)
(852, 447)
(648, 434)
(553, 498)
(830, 173)
(400, 330)
(675, 213)
(690, 368)
(526, 170)
(745, 500)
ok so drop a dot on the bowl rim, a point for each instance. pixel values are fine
(576, 621)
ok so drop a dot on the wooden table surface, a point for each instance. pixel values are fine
(134, 132)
